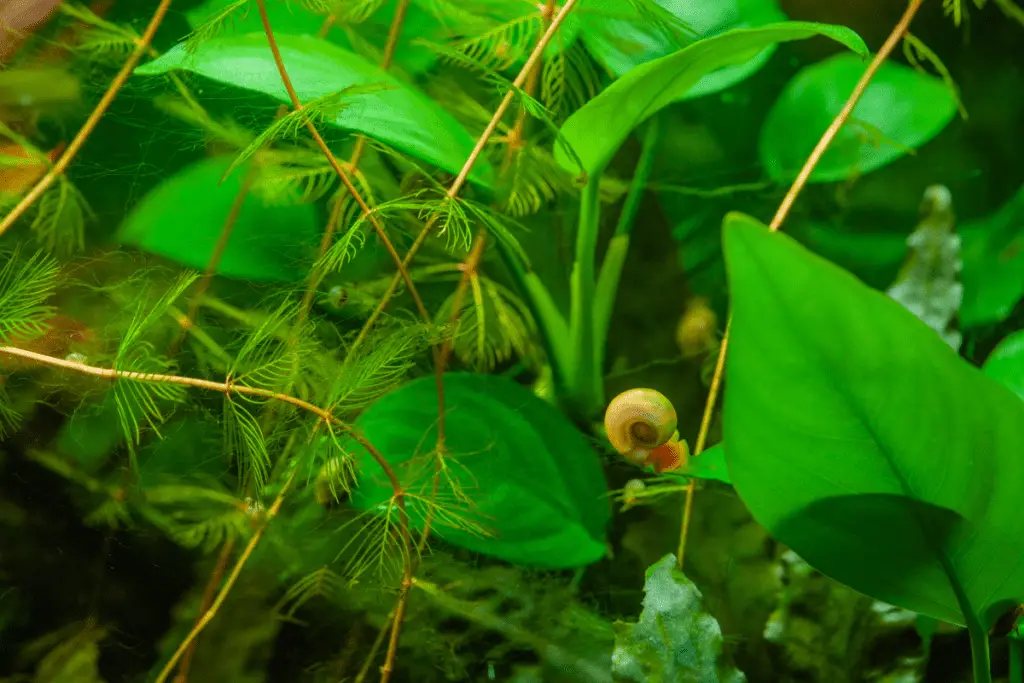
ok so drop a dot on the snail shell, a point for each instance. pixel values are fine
(638, 421)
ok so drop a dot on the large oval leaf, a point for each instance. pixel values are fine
(856, 436)
(901, 109)
(182, 218)
(646, 89)
(399, 116)
(535, 482)
(620, 39)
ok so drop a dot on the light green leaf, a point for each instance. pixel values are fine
(676, 640)
(1006, 363)
(182, 219)
(646, 89)
(293, 18)
(535, 483)
(993, 255)
(621, 40)
(857, 437)
(400, 116)
(710, 464)
(901, 109)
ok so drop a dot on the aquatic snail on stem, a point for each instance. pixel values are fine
(641, 425)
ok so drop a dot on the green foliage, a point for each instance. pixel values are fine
(621, 36)
(993, 255)
(675, 640)
(652, 86)
(867, 445)
(876, 135)
(399, 116)
(536, 489)
(1006, 363)
(184, 219)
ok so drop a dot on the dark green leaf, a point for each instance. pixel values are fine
(857, 437)
(1006, 363)
(183, 217)
(646, 89)
(901, 109)
(621, 40)
(399, 116)
(993, 256)
(534, 480)
(676, 640)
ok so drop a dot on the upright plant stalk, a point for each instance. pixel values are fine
(58, 168)
(585, 384)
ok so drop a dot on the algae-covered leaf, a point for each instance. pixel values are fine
(901, 109)
(676, 640)
(652, 86)
(862, 441)
(538, 495)
(182, 219)
(397, 114)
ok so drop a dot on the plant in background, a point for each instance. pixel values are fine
(290, 407)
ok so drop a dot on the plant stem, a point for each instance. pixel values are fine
(618, 247)
(827, 137)
(1016, 644)
(586, 390)
(460, 179)
(980, 659)
(141, 46)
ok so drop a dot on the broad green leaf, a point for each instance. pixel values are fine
(901, 109)
(90, 434)
(675, 640)
(534, 481)
(182, 219)
(294, 18)
(857, 437)
(710, 464)
(1006, 363)
(646, 89)
(399, 116)
(620, 39)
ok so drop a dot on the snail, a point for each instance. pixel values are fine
(641, 425)
(697, 329)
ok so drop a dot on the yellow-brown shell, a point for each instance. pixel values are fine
(639, 420)
(697, 328)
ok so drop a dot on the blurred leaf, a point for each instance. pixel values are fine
(646, 89)
(401, 116)
(1006, 363)
(859, 439)
(295, 19)
(901, 110)
(90, 434)
(620, 39)
(183, 217)
(993, 255)
(676, 640)
(535, 483)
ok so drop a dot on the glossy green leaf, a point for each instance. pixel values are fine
(1006, 363)
(675, 640)
(901, 109)
(294, 18)
(182, 219)
(620, 39)
(399, 116)
(646, 89)
(535, 482)
(857, 437)
(710, 464)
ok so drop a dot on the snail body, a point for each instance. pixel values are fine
(641, 425)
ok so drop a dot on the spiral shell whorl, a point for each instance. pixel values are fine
(639, 420)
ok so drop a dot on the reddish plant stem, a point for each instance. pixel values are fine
(829, 135)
